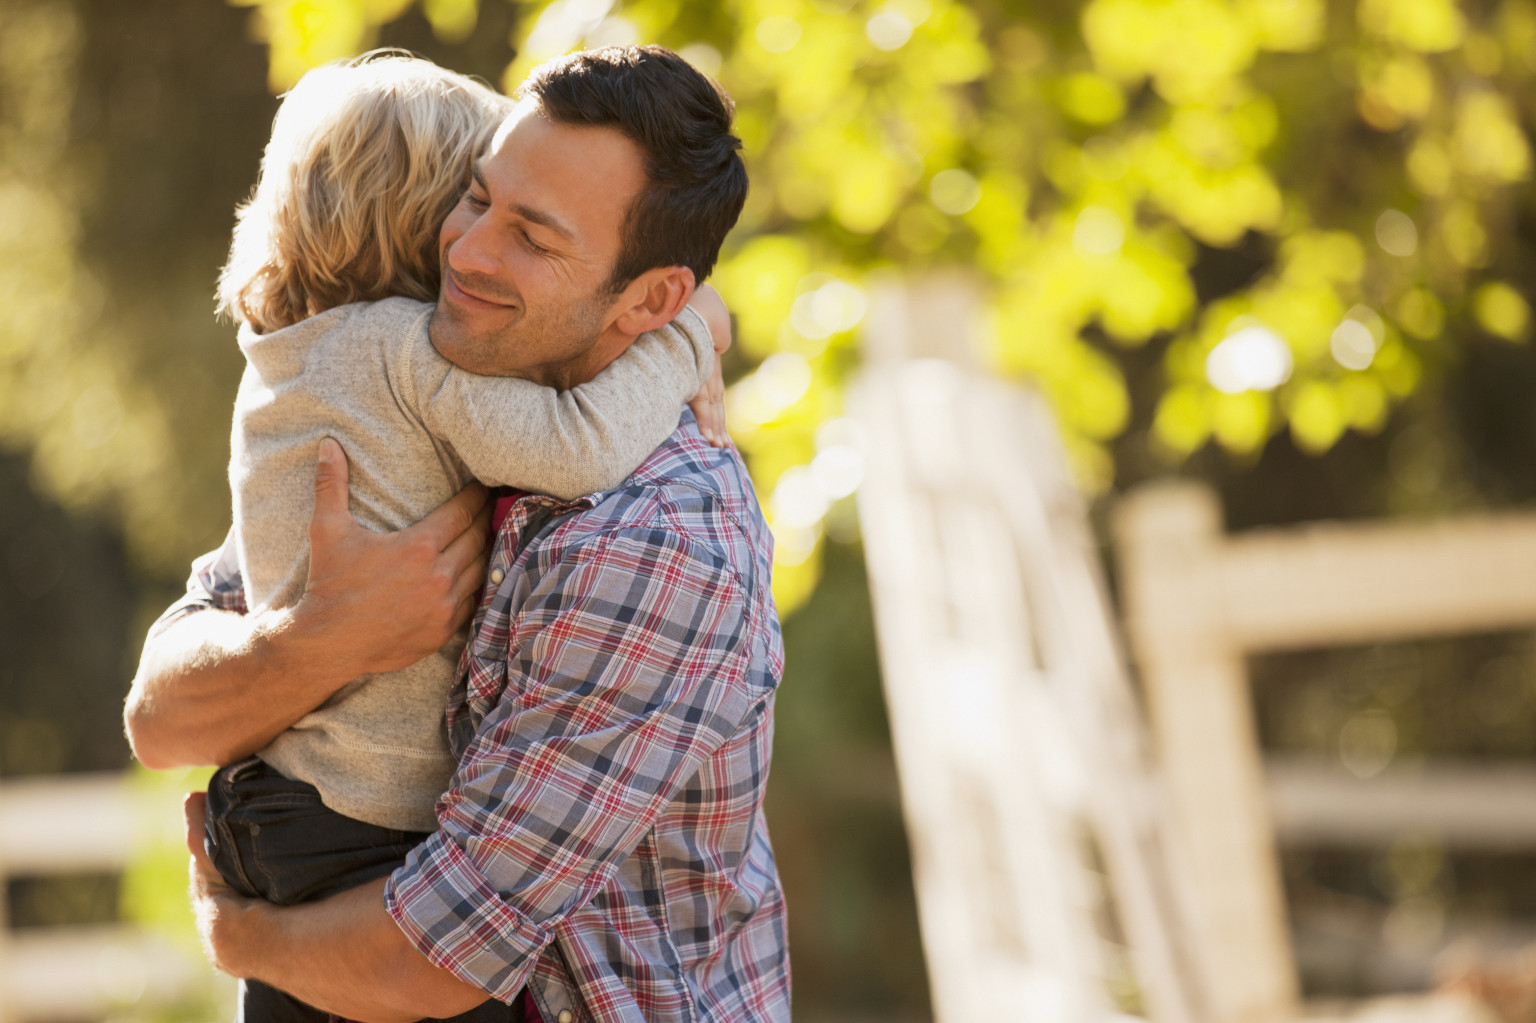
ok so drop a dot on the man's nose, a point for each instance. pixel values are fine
(473, 251)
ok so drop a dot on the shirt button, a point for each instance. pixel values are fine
(565, 1016)
(497, 575)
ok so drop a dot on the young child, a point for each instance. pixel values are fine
(332, 268)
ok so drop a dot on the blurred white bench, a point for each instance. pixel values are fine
(90, 823)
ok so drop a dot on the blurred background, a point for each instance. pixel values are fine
(1285, 247)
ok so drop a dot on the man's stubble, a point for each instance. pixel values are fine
(534, 347)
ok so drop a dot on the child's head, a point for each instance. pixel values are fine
(366, 159)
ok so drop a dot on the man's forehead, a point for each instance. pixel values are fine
(532, 141)
(524, 108)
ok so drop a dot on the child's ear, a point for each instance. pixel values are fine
(654, 299)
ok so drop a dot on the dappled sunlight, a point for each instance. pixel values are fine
(71, 389)
(1282, 246)
(1251, 358)
(1089, 166)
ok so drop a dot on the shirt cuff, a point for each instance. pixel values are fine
(176, 612)
(215, 585)
(459, 921)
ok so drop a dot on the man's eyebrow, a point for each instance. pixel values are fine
(543, 219)
(528, 213)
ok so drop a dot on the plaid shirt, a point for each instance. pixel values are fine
(603, 841)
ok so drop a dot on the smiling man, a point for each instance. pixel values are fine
(601, 851)
(529, 254)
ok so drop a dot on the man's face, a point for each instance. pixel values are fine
(527, 252)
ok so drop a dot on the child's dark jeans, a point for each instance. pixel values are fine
(272, 838)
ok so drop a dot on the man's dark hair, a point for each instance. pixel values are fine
(696, 183)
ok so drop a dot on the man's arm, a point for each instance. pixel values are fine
(330, 954)
(217, 685)
(640, 635)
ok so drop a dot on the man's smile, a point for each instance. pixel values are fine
(459, 295)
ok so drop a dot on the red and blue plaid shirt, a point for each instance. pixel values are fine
(603, 841)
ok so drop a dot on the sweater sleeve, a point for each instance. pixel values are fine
(513, 432)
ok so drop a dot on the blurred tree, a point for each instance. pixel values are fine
(1099, 164)
(60, 702)
(1299, 208)
(121, 159)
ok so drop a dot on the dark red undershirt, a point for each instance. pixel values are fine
(504, 501)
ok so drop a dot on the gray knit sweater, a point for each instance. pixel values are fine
(416, 429)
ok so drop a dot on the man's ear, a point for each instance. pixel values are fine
(654, 299)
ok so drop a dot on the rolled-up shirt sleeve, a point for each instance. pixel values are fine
(625, 669)
(214, 585)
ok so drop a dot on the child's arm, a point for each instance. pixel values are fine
(513, 432)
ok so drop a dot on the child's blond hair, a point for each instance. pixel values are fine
(366, 159)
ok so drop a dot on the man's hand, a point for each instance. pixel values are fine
(709, 404)
(216, 686)
(343, 954)
(386, 600)
(214, 903)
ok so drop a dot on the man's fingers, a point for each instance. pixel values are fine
(330, 480)
(466, 609)
(447, 523)
(194, 813)
(468, 547)
(468, 583)
(468, 555)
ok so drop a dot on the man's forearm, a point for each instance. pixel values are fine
(343, 954)
(215, 686)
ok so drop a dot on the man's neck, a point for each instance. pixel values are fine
(562, 376)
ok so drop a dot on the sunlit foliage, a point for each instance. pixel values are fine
(1084, 160)
(304, 33)
(69, 389)
(1091, 163)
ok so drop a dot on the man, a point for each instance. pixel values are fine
(602, 853)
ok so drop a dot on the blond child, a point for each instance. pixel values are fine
(332, 270)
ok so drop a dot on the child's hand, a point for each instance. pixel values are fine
(709, 404)
(709, 407)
